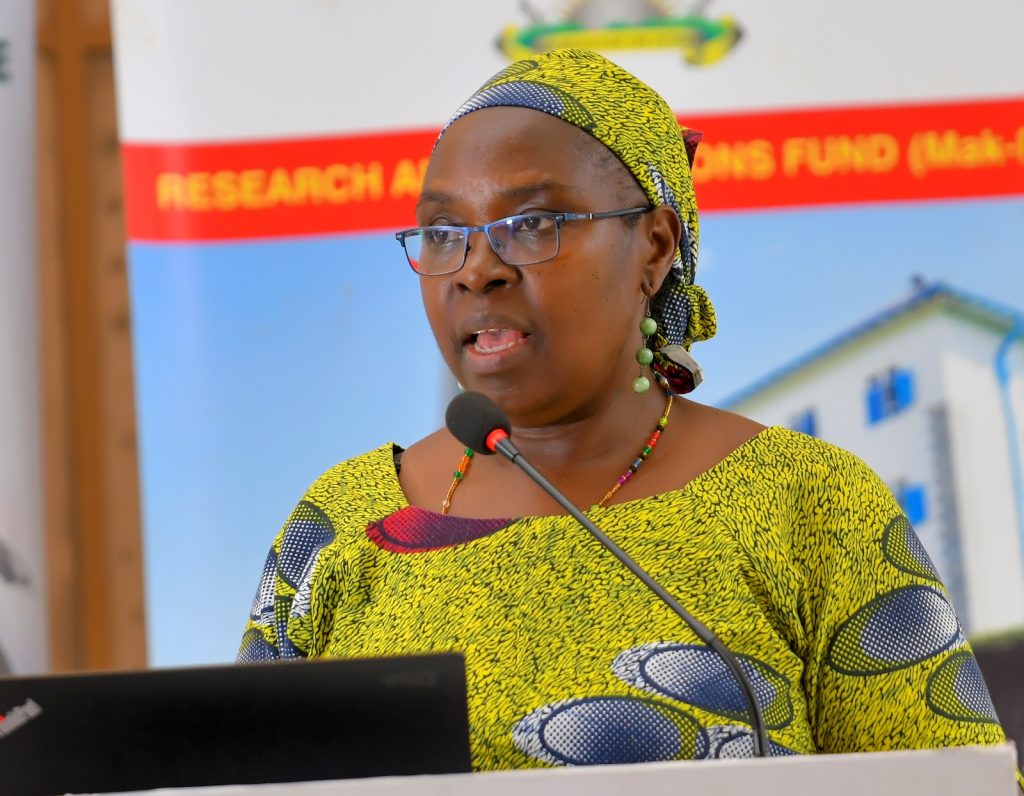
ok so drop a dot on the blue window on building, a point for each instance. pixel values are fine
(806, 423)
(912, 500)
(876, 401)
(889, 394)
(901, 388)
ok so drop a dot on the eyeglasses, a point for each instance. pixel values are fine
(517, 240)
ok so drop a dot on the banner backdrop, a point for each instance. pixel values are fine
(271, 146)
(23, 624)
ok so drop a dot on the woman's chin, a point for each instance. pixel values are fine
(516, 391)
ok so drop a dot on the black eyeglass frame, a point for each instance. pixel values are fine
(558, 218)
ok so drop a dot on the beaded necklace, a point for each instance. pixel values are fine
(641, 457)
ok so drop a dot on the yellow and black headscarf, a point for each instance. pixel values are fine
(634, 122)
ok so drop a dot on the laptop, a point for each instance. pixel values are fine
(275, 722)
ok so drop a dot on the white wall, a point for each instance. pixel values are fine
(981, 455)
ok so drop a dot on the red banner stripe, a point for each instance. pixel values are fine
(352, 183)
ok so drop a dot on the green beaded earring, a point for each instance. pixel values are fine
(644, 355)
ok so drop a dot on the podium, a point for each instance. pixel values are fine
(963, 771)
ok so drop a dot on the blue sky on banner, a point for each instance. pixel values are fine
(259, 365)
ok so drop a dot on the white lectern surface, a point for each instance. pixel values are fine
(967, 771)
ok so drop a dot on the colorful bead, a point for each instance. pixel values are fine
(647, 450)
(639, 460)
(641, 384)
(645, 356)
(648, 326)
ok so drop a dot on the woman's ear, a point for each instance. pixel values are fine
(664, 231)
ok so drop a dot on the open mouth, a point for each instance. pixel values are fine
(492, 341)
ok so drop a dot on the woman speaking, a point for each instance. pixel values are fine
(556, 252)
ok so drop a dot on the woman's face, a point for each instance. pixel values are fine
(543, 340)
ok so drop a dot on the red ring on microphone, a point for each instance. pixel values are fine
(494, 438)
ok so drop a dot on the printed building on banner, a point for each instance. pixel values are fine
(930, 393)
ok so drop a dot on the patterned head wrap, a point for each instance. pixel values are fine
(634, 122)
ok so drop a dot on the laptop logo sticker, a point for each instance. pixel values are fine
(18, 716)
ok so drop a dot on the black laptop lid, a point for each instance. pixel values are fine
(279, 722)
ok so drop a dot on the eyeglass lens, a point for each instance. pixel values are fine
(518, 240)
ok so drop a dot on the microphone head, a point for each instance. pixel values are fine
(471, 417)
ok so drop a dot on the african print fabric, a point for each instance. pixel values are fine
(631, 119)
(791, 550)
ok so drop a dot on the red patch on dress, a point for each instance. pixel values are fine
(417, 530)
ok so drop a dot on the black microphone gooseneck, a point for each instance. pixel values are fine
(480, 424)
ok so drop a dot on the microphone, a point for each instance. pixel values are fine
(480, 424)
(477, 422)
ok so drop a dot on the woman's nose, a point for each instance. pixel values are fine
(484, 270)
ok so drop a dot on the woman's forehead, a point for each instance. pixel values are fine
(520, 150)
(502, 132)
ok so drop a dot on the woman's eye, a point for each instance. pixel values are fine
(533, 224)
(437, 236)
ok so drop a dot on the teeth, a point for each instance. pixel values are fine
(480, 348)
(510, 344)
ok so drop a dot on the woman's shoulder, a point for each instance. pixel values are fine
(802, 451)
(811, 491)
(738, 448)
(823, 478)
(386, 474)
(721, 440)
(369, 474)
(781, 449)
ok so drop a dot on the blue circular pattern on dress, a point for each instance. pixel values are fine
(903, 549)
(698, 676)
(957, 690)
(729, 740)
(895, 630)
(610, 730)
(262, 611)
(306, 532)
(256, 649)
(285, 648)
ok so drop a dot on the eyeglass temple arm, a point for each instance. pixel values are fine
(608, 214)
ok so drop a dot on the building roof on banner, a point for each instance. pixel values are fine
(925, 296)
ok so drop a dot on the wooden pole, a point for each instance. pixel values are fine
(91, 490)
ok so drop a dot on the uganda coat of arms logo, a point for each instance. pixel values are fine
(616, 25)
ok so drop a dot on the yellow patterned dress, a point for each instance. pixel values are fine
(790, 549)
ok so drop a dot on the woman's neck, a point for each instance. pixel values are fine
(608, 428)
